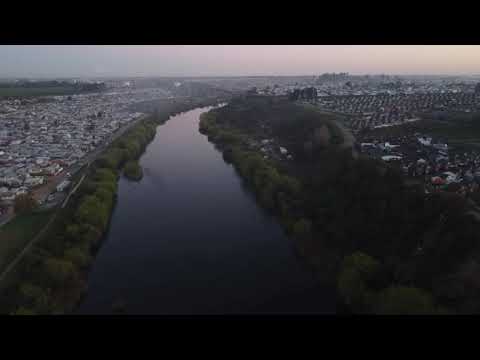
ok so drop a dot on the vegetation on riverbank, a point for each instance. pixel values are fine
(388, 247)
(133, 171)
(52, 277)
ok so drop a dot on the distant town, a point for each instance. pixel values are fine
(45, 139)
(379, 110)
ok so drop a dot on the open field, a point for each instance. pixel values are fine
(18, 232)
(43, 91)
(459, 131)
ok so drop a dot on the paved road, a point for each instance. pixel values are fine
(65, 202)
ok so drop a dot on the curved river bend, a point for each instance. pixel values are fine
(189, 239)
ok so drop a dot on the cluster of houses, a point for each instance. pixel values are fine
(42, 137)
(373, 111)
(428, 160)
(270, 149)
(344, 84)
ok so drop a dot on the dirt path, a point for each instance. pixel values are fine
(73, 190)
(26, 249)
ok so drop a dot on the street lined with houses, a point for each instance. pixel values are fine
(45, 141)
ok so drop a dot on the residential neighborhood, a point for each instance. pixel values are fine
(373, 111)
(42, 138)
(427, 159)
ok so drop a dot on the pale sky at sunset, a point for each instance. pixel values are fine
(236, 60)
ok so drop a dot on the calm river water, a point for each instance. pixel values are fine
(189, 239)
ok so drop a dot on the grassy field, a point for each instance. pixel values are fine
(17, 233)
(42, 91)
(461, 132)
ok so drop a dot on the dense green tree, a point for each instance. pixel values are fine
(267, 198)
(78, 257)
(23, 311)
(104, 195)
(352, 289)
(357, 270)
(402, 300)
(91, 234)
(105, 175)
(87, 187)
(73, 232)
(111, 187)
(302, 229)
(34, 297)
(58, 271)
(133, 170)
(93, 212)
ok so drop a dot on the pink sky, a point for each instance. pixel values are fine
(223, 60)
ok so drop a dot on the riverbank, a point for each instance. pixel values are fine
(52, 277)
(133, 171)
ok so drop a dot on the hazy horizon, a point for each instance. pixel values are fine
(57, 61)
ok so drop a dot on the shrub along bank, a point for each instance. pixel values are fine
(52, 277)
(277, 192)
(133, 170)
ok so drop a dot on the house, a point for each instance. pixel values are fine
(390, 146)
(449, 177)
(33, 181)
(438, 181)
(63, 185)
(442, 147)
(425, 141)
(53, 170)
(391, 157)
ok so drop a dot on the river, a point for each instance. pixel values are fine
(190, 239)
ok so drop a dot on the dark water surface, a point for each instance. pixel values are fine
(189, 239)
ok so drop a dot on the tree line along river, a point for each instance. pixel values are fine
(190, 239)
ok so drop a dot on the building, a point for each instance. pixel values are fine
(63, 185)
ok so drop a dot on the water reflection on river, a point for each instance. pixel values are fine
(188, 239)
